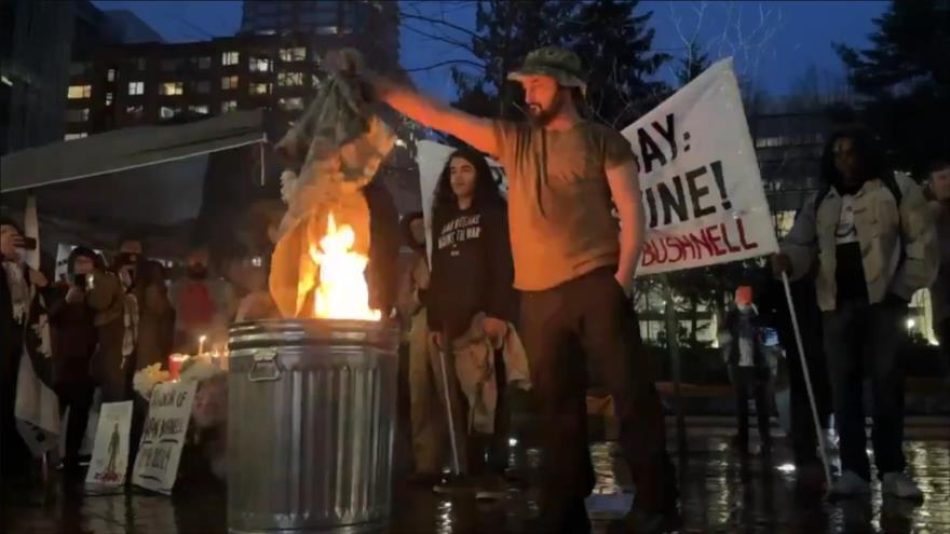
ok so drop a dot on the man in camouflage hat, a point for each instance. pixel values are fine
(575, 269)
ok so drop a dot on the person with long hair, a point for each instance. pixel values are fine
(470, 296)
(874, 240)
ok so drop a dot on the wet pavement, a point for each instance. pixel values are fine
(720, 493)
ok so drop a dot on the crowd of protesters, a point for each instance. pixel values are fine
(103, 320)
(527, 298)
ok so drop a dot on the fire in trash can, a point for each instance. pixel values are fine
(342, 292)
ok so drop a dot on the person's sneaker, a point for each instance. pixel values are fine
(901, 486)
(850, 484)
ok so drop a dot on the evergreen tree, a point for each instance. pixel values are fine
(905, 75)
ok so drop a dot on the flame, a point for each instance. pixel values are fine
(342, 292)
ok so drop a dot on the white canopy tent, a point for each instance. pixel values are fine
(128, 149)
(149, 177)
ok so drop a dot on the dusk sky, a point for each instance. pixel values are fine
(774, 43)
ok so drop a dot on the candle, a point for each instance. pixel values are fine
(201, 345)
(174, 365)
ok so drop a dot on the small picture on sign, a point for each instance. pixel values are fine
(110, 454)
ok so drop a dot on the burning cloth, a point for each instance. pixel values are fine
(337, 145)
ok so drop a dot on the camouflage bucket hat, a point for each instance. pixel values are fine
(558, 63)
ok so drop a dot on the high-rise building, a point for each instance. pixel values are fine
(40, 44)
(378, 20)
(34, 70)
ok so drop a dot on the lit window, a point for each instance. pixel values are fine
(110, 75)
(259, 88)
(110, 96)
(293, 54)
(203, 87)
(229, 82)
(228, 105)
(291, 104)
(135, 111)
(79, 91)
(136, 88)
(77, 115)
(74, 136)
(167, 112)
(171, 89)
(230, 58)
(260, 64)
(202, 109)
(290, 79)
(202, 63)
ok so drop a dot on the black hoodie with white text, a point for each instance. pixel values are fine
(472, 269)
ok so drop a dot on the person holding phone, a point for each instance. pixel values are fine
(74, 343)
(20, 285)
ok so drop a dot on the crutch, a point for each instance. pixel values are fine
(807, 375)
(447, 402)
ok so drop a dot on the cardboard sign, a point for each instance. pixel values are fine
(163, 437)
(110, 452)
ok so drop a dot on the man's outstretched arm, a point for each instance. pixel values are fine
(475, 131)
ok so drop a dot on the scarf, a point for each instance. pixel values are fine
(131, 322)
(19, 291)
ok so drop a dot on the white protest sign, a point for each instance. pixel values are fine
(432, 158)
(702, 194)
(163, 436)
(110, 452)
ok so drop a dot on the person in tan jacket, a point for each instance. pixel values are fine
(873, 237)
(424, 415)
(106, 296)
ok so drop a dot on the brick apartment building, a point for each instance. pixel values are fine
(272, 63)
(270, 66)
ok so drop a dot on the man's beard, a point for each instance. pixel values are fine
(542, 117)
(197, 272)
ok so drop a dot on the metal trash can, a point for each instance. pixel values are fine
(311, 419)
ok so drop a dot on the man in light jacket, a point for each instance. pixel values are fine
(874, 239)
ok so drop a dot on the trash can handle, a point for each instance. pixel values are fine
(266, 366)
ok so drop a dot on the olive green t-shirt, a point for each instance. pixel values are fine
(559, 202)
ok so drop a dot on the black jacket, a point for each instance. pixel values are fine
(382, 272)
(74, 339)
(733, 325)
(472, 269)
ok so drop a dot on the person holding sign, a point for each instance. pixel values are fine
(575, 269)
(873, 238)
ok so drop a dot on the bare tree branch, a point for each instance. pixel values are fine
(442, 22)
(446, 63)
(441, 38)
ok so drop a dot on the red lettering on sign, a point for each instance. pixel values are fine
(709, 242)
(746, 245)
